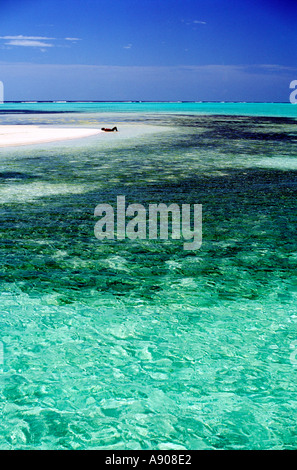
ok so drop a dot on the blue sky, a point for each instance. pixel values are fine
(233, 50)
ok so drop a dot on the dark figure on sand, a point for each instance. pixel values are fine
(105, 129)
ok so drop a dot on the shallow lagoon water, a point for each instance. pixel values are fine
(139, 344)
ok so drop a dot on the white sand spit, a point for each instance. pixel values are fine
(28, 135)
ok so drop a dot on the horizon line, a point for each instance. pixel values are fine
(143, 101)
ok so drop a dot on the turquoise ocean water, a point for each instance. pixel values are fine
(229, 108)
(139, 344)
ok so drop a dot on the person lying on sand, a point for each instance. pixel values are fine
(105, 129)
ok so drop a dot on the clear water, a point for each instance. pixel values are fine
(213, 108)
(140, 344)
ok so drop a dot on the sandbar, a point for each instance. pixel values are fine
(15, 135)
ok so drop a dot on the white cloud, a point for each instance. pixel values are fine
(21, 37)
(128, 46)
(33, 41)
(191, 22)
(28, 43)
